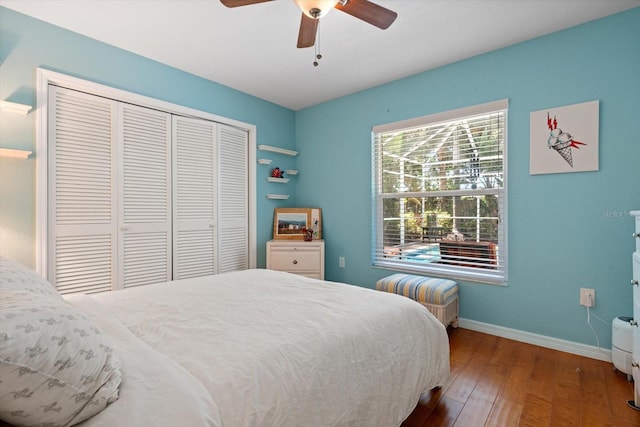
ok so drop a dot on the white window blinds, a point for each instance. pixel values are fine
(439, 194)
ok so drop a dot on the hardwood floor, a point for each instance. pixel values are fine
(499, 382)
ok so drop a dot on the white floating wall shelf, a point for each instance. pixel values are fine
(280, 180)
(16, 154)
(277, 150)
(264, 161)
(14, 107)
(291, 172)
(278, 196)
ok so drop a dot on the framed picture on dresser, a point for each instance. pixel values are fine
(293, 223)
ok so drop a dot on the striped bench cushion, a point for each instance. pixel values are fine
(420, 288)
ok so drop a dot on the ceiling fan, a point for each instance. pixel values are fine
(313, 10)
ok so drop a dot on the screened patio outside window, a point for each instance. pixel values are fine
(439, 194)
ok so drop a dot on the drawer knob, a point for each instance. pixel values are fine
(295, 261)
(633, 322)
(634, 364)
(634, 282)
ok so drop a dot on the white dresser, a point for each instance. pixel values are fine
(635, 281)
(299, 257)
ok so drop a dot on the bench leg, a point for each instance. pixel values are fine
(454, 324)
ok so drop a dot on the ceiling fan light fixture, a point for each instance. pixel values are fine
(316, 9)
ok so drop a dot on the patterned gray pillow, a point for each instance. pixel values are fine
(56, 367)
(14, 275)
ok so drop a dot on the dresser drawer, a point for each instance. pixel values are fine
(636, 384)
(636, 288)
(635, 261)
(303, 258)
(295, 260)
(637, 233)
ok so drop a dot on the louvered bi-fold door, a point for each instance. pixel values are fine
(82, 234)
(194, 185)
(144, 214)
(233, 199)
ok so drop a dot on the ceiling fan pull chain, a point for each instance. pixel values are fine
(317, 48)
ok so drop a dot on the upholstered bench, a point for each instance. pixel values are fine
(439, 296)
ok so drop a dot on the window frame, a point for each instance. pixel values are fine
(498, 276)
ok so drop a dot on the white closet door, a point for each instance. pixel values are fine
(233, 203)
(194, 184)
(82, 204)
(144, 204)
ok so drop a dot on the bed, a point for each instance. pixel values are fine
(258, 348)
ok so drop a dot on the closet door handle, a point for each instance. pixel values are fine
(633, 322)
(634, 283)
(636, 234)
(295, 261)
(634, 364)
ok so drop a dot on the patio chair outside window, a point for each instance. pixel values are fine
(431, 232)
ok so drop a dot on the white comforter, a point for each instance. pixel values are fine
(150, 382)
(277, 349)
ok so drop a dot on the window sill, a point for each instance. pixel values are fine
(488, 277)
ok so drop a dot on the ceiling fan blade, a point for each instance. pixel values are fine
(236, 3)
(369, 12)
(308, 30)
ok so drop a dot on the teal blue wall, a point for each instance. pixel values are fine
(26, 44)
(566, 231)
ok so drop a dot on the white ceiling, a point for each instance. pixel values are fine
(253, 48)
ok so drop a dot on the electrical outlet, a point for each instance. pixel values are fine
(587, 297)
(341, 262)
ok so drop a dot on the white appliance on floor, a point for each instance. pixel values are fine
(622, 345)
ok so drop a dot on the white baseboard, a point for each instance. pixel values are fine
(535, 339)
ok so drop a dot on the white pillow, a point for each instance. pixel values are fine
(14, 275)
(56, 367)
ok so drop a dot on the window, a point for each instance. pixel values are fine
(439, 194)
